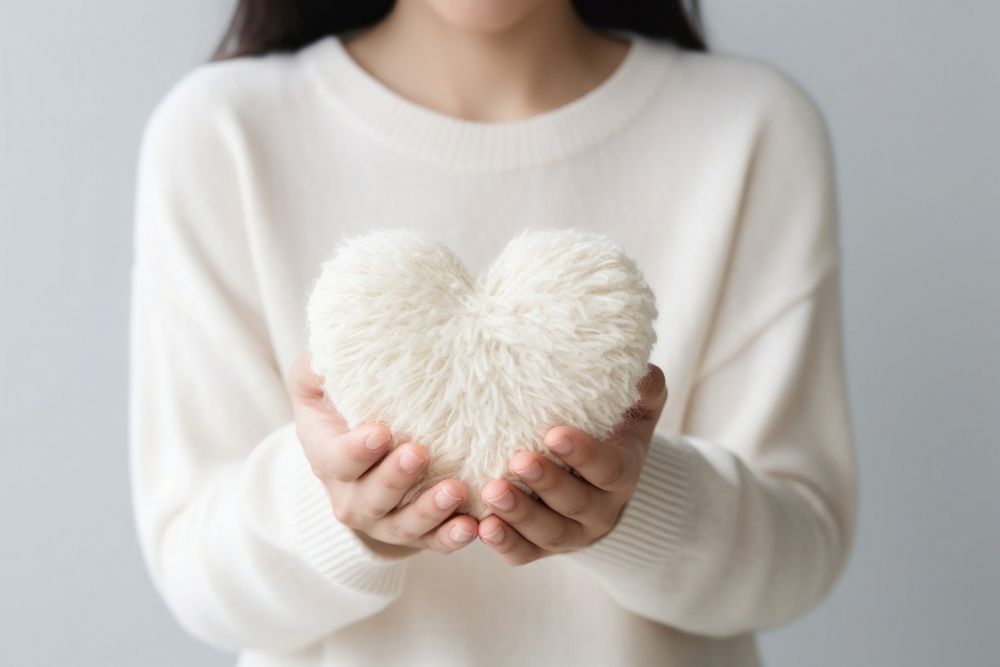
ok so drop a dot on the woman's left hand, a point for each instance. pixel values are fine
(577, 510)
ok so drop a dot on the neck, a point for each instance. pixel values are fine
(542, 62)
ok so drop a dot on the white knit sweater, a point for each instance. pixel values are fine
(715, 172)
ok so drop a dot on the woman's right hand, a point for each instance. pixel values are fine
(366, 478)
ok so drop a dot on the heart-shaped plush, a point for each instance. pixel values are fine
(557, 331)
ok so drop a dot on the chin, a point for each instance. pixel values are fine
(484, 15)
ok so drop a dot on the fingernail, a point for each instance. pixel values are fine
(444, 500)
(562, 447)
(409, 461)
(376, 441)
(495, 536)
(531, 473)
(460, 534)
(504, 502)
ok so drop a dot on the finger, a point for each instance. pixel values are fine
(506, 541)
(335, 452)
(567, 494)
(301, 380)
(452, 535)
(645, 413)
(347, 456)
(605, 465)
(316, 417)
(535, 522)
(381, 489)
(410, 523)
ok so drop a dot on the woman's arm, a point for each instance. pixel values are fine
(237, 531)
(748, 523)
(745, 519)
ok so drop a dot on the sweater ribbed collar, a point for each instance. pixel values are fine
(478, 145)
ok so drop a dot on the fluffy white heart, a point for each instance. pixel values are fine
(558, 330)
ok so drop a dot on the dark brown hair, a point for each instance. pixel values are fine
(260, 26)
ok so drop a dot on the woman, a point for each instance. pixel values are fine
(269, 527)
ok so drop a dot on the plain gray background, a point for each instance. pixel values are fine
(912, 93)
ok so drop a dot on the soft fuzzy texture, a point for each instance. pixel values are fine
(557, 331)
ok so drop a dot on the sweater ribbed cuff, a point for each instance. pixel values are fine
(315, 534)
(655, 521)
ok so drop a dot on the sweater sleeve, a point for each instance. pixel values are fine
(744, 519)
(238, 534)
